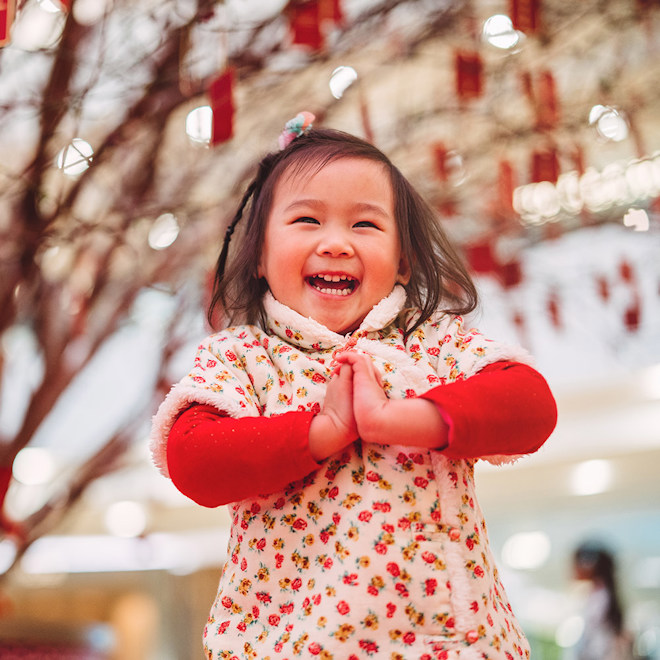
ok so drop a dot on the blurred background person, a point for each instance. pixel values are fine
(604, 636)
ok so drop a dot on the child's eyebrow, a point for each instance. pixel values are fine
(358, 207)
(305, 203)
(366, 207)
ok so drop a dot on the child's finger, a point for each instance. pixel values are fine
(361, 363)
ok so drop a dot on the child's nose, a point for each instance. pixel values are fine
(335, 244)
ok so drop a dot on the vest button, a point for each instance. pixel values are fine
(454, 533)
(471, 636)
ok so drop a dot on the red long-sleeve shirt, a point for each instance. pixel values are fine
(506, 408)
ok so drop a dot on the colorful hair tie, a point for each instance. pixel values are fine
(295, 127)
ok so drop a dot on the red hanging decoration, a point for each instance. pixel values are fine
(222, 103)
(447, 205)
(440, 161)
(7, 525)
(511, 274)
(7, 13)
(553, 310)
(603, 287)
(632, 315)
(332, 10)
(626, 272)
(525, 15)
(545, 165)
(541, 92)
(547, 105)
(305, 20)
(645, 6)
(527, 86)
(469, 75)
(506, 183)
(481, 258)
(484, 261)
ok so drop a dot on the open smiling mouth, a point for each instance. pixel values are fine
(336, 285)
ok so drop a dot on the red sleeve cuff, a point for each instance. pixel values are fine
(214, 460)
(506, 409)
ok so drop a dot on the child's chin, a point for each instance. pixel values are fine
(342, 329)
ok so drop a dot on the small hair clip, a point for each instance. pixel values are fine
(295, 127)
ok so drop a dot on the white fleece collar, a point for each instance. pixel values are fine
(307, 333)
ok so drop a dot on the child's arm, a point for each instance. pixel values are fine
(507, 408)
(214, 459)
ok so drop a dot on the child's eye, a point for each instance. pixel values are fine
(307, 219)
(366, 223)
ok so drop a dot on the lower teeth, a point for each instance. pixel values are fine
(335, 292)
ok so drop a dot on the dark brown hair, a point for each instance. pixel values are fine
(439, 280)
(596, 563)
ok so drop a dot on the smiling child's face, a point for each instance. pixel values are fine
(331, 249)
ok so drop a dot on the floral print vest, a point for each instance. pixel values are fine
(380, 553)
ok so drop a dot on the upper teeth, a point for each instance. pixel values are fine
(333, 278)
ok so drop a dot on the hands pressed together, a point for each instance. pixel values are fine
(356, 406)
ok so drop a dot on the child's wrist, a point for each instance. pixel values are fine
(326, 437)
(414, 422)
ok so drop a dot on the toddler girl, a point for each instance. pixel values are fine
(342, 418)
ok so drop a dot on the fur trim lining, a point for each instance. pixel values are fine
(507, 353)
(385, 311)
(461, 588)
(305, 324)
(503, 459)
(381, 315)
(180, 397)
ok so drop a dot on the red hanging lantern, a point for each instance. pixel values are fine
(305, 20)
(506, 183)
(7, 13)
(626, 272)
(222, 103)
(553, 310)
(545, 165)
(645, 6)
(527, 86)
(603, 287)
(469, 75)
(446, 205)
(332, 10)
(525, 15)
(547, 105)
(308, 18)
(510, 274)
(440, 161)
(481, 258)
(632, 315)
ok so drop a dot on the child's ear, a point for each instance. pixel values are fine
(403, 276)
